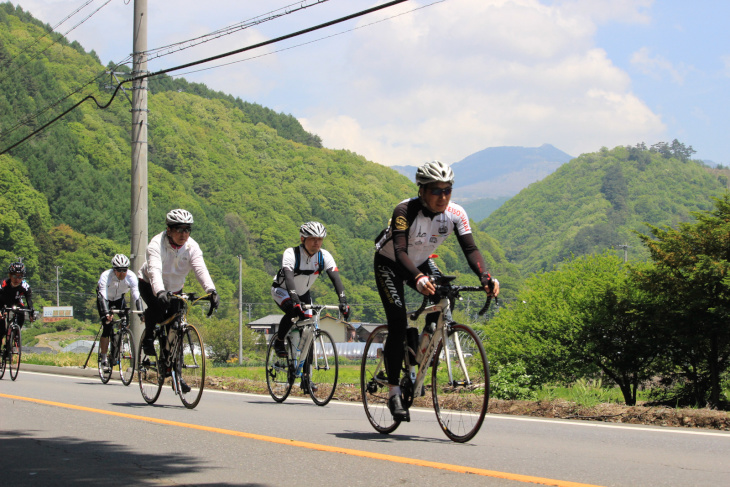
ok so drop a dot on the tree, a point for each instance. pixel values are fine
(582, 318)
(691, 280)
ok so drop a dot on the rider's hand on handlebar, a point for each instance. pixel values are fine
(164, 298)
(299, 311)
(344, 309)
(491, 285)
(424, 285)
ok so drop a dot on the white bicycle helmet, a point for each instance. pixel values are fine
(434, 172)
(120, 261)
(179, 217)
(312, 229)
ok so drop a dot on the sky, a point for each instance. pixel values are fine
(432, 79)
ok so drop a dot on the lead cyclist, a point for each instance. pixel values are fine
(416, 229)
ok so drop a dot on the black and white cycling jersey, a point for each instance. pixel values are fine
(308, 269)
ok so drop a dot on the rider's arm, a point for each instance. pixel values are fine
(289, 284)
(201, 270)
(133, 284)
(334, 276)
(476, 262)
(154, 263)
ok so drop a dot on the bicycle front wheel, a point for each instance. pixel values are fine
(4, 356)
(105, 372)
(15, 352)
(323, 368)
(126, 357)
(460, 383)
(279, 371)
(192, 367)
(374, 382)
(149, 371)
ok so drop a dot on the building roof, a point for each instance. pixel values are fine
(266, 320)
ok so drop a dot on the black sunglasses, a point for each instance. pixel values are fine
(440, 191)
(120, 269)
(182, 229)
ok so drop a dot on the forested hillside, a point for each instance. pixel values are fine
(599, 200)
(67, 190)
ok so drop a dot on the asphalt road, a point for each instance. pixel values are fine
(72, 430)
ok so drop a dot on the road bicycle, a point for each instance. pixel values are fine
(459, 381)
(12, 350)
(311, 356)
(179, 354)
(121, 349)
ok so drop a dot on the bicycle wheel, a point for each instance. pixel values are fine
(149, 377)
(191, 365)
(15, 352)
(279, 371)
(322, 368)
(3, 357)
(126, 357)
(460, 383)
(105, 373)
(374, 383)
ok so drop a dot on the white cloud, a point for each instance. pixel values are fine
(655, 66)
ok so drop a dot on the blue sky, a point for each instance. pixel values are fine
(444, 79)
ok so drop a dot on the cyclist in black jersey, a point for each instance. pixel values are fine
(15, 291)
(418, 226)
(300, 267)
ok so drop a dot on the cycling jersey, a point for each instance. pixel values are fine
(165, 267)
(308, 270)
(20, 295)
(113, 289)
(414, 233)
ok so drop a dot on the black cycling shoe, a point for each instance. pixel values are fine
(280, 348)
(397, 410)
(184, 387)
(148, 346)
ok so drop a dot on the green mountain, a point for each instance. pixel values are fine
(599, 200)
(249, 176)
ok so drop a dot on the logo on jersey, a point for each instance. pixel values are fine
(401, 223)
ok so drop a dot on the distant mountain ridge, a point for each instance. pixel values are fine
(500, 171)
(488, 178)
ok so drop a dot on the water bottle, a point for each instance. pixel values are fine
(305, 340)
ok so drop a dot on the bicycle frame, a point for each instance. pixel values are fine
(313, 325)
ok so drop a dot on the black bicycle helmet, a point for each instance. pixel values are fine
(17, 268)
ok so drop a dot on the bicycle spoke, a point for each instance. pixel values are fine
(191, 365)
(323, 368)
(374, 383)
(460, 383)
(149, 376)
(15, 352)
(125, 357)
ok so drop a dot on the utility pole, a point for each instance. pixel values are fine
(625, 248)
(240, 310)
(139, 237)
(58, 292)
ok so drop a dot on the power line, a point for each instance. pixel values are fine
(202, 61)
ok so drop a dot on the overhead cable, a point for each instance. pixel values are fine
(206, 60)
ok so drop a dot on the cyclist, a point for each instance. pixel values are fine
(110, 290)
(170, 256)
(418, 226)
(15, 290)
(300, 268)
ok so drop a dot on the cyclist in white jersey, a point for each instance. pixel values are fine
(418, 226)
(110, 290)
(170, 256)
(300, 268)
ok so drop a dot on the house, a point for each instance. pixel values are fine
(341, 331)
(266, 325)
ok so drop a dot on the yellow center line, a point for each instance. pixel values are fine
(315, 446)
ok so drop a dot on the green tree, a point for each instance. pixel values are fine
(691, 281)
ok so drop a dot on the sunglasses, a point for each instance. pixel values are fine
(182, 230)
(120, 269)
(13, 274)
(440, 191)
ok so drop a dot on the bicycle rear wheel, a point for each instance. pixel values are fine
(3, 358)
(374, 383)
(279, 371)
(149, 371)
(126, 357)
(460, 383)
(191, 367)
(323, 368)
(15, 352)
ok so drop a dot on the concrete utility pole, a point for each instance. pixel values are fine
(139, 146)
(240, 310)
(625, 248)
(58, 292)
